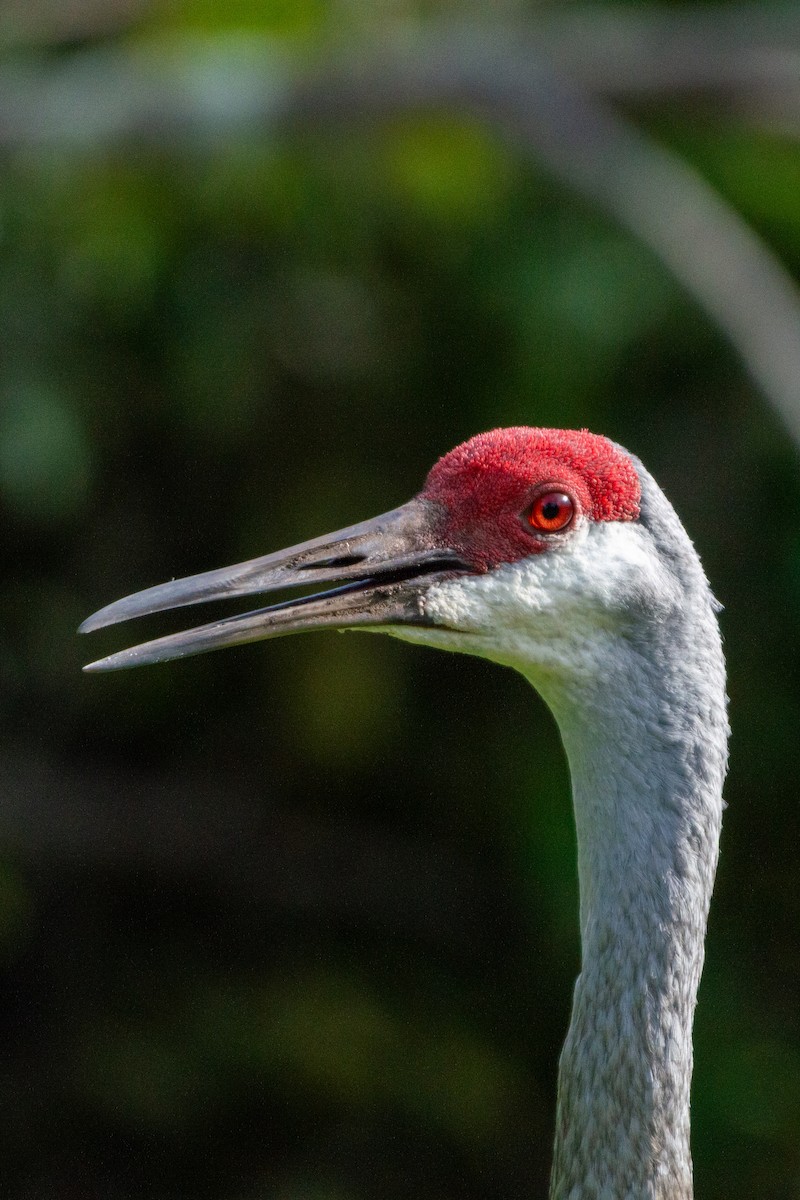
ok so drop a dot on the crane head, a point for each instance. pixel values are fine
(521, 544)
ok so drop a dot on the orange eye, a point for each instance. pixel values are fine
(551, 512)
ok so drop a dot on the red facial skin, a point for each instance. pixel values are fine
(486, 485)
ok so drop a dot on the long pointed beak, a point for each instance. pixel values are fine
(382, 566)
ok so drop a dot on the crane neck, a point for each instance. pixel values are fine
(646, 743)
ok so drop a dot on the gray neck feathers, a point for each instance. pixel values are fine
(646, 744)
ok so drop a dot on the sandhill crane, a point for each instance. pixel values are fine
(555, 552)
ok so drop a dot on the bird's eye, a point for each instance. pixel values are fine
(551, 512)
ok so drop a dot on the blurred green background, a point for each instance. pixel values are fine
(299, 920)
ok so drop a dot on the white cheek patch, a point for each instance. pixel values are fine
(550, 610)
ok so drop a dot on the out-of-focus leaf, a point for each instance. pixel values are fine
(452, 173)
(290, 19)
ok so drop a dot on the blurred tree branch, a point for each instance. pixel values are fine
(550, 90)
(648, 51)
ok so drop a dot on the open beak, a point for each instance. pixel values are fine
(383, 568)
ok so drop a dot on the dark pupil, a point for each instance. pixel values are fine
(551, 509)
